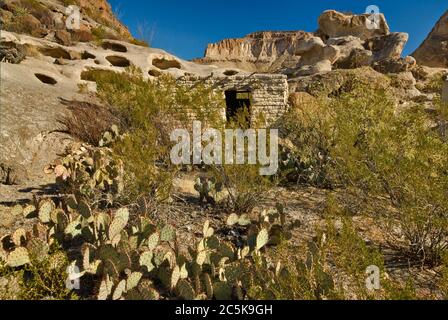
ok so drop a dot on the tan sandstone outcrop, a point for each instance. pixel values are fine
(433, 52)
(335, 24)
(259, 51)
(342, 41)
(46, 19)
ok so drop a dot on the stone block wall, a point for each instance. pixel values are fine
(269, 92)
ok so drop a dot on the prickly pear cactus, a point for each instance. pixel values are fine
(93, 172)
(17, 258)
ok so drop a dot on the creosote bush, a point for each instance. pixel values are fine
(358, 142)
(148, 111)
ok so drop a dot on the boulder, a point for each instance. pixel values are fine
(387, 47)
(333, 24)
(309, 69)
(346, 45)
(395, 65)
(357, 58)
(433, 52)
(63, 37)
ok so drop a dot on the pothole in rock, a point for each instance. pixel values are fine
(164, 64)
(154, 73)
(56, 53)
(87, 55)
(118, 61)
(46, 79)
(230, 72)
(114, 47)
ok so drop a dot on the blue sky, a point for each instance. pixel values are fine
(185, 27)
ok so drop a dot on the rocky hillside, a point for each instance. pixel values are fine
(434, 50)
(44, 64)
(46, 19)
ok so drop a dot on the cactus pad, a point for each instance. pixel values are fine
(262, 239)
(146, 260)
(45, 209)
(222, 291)
(133, 280)
(185, 290)
(167, 233)
(18, 258)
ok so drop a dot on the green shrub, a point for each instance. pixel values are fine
(305, 158)
(397, 155)
(148, 111)
(374, 151)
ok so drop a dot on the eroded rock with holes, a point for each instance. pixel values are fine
(47, 18)
(31, 91)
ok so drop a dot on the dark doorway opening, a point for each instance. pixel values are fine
(238, 104)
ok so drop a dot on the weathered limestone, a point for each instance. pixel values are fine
(46, 19)
(259, 51)
(268, 92)
(387, 47)
(343, 41)
(335, 24)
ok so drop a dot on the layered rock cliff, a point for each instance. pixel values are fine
(433, 52)
(259, 51)
(342, 41)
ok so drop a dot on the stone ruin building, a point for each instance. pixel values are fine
(264, 95)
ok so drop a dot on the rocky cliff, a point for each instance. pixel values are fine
(342, 41)
(433, 52)
(259, 51)
(46, 19)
